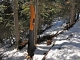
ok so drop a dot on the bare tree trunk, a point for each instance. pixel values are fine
(72, 18)
(78, 9)
(16, 23)
(31, 46)
(36, 21)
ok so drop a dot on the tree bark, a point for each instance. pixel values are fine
(36, 21)
(31, 46)
(72, 18)
(16, 23)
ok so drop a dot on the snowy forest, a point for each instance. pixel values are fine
(39, 29)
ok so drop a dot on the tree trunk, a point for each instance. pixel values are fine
(31, 46)
(36, 21)
(72, 18)
(77, 17)
(16, 23)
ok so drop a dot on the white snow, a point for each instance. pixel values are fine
(57, 26)
(69, 42)
(70, 48)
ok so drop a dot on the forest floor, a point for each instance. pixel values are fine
(67, 45)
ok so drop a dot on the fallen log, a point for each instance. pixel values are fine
(47, 37)
(22, 44)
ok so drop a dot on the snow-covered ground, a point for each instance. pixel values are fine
(69, 42)
(58, 26)
(70, 48)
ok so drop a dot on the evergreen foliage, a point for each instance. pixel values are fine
(48, 10)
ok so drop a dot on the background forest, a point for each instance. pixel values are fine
(48, 10)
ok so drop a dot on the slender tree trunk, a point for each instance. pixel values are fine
(77, 16)
(16, 23)
(72, 18)
(36, 21)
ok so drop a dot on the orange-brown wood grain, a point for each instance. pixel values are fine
(32, 14)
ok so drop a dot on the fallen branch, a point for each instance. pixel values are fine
(22, 44)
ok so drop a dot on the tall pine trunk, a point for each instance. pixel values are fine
(72, 17)
(16, 23)
(36, 21)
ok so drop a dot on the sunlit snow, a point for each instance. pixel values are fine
(68, 42)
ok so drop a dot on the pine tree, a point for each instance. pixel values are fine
(16, 23)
